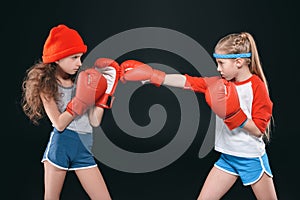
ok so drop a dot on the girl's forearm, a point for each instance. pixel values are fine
(252, 128)
(175, 80)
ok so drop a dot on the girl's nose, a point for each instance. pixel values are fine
(79, 63)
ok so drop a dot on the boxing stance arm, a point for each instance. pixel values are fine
(178, 80)
(261, 111)
(95, 115)
(59, 120)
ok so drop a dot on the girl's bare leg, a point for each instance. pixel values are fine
(92, 181)
(264, 188)
(216, 184)
(54, 180)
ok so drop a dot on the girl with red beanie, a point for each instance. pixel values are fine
(49, 88)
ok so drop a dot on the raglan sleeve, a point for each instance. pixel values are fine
(262, 107)
(194, 83)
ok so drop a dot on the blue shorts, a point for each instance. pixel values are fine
(249, 169)
(69, 150)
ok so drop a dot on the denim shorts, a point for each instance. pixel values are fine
(249, 169)
(70, 150)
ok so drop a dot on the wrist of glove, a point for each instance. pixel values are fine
(157, 77)
(236, 120)
(76, 107)
(106, 101)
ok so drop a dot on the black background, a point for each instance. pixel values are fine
(25, 26)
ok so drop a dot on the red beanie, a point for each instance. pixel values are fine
(62, 42)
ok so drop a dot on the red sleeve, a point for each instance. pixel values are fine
(196, 84)
(262, 105)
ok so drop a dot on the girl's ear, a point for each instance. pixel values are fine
(239, 62)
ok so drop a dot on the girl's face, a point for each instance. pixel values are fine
(228, 68)
(70, 64)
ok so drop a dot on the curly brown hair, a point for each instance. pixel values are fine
(40, 78)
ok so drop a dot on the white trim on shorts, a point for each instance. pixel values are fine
(261, 174)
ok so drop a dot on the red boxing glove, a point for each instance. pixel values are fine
(111, 71)
(90, 86)
(222, 97)
(133, 70)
